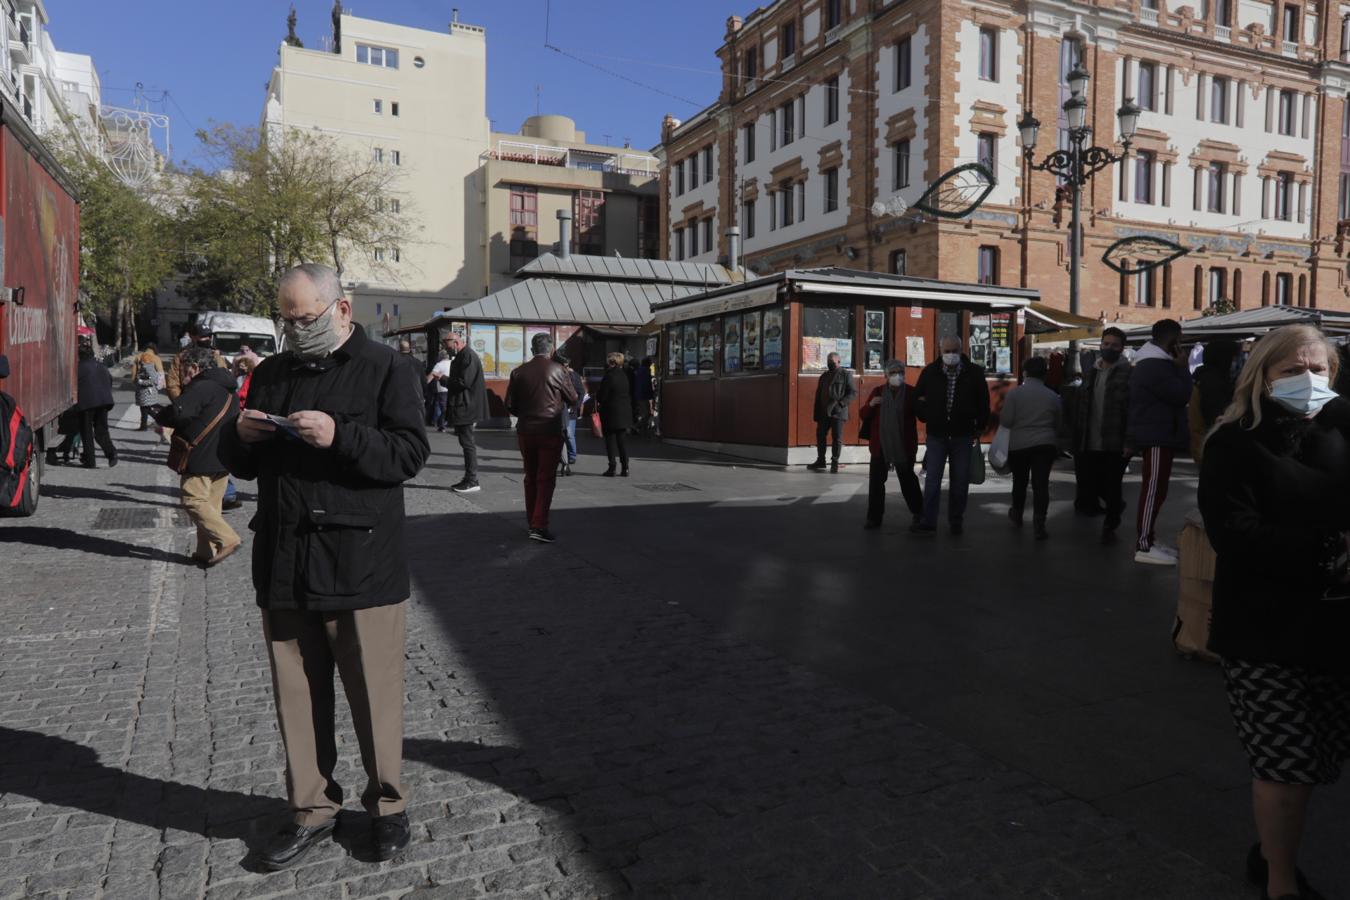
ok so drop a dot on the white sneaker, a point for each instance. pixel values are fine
(1155, 557)
(1170, 551)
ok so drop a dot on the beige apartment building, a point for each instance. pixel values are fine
(829, 106)
(479, 201)
(527, 178)
(415, 100)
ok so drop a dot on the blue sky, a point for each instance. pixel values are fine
(214, 58)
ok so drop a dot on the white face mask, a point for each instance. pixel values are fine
(951, 360)
(895, 380)
(1304, 395)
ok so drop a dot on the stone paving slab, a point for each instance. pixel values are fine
(567, 736)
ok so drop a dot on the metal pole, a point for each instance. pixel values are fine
(1075, 251)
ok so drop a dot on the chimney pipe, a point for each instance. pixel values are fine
(564, 233)
(733, 248)
(454, 16)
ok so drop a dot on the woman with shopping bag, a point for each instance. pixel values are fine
(1032, 415)
(1275, 496)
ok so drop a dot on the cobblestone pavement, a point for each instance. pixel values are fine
(567, 736)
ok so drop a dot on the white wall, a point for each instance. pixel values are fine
(888, 104)
(1005, 92)
(1185, 132)
(706, 191)
(818, 135)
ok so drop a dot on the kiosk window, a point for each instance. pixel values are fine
(874, 338)
(752, 341)
(826, 330)
(948, 325)
(674, 350)
(707, 346)
(691, 349)
(731, 344)
(772, 335)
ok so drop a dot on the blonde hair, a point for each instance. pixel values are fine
(615, 359)
(1275, 347)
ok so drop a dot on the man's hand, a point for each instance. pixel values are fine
(315, 428)
(876, 401)
(253, 427)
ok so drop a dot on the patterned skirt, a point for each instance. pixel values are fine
(1293, 722)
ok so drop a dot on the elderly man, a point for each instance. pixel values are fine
(835, 392)
(952, 400)
(466, 404)
(331, 430)
(537, 396)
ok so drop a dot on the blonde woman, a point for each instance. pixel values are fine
(1275, 495)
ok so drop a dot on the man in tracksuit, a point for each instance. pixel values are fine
(1160, 390)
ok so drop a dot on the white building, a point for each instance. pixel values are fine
(416, 100)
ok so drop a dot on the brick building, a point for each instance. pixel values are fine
(1242, 151)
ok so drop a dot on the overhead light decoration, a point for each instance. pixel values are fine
(1141, 253)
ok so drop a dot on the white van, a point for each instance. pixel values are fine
(231, 331)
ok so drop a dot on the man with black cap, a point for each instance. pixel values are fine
(199, 335)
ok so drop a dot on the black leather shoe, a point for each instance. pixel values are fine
(289, 845)
(1258, 872)
(389, 835)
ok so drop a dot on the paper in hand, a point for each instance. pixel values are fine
(285, 424)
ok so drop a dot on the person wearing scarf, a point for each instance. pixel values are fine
(892, 439)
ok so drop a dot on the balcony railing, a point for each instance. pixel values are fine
(1148, 16)
(1223, 33)
(564, 158)
(833, 35)
(1290, 48)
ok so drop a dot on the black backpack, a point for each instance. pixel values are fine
(16, 453)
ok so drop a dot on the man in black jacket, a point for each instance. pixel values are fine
(94, 398)
(466, 405)
(329, 565)
(952, 400)
(1158, 426)
(1100, 418)
(835, 393)
(205, 408)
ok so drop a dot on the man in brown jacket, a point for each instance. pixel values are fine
(537, 396)
(200, 336)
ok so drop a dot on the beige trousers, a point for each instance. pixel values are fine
(202, 496)
(366, 646)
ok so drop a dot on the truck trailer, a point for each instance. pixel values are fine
(39, 284)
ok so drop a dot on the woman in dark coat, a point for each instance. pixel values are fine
(93, 400)
(1275, 495)
(614, 402)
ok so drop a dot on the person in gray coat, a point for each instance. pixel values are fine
(1032, 413)
(834, 395)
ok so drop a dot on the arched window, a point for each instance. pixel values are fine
(1199, 300)
(1237, 289)
(1265, 288)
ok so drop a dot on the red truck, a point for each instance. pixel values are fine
(39, 283)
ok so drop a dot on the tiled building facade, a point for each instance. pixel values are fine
(1242, 151)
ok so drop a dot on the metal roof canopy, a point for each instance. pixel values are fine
(618, 268)
(604, 304)
(1250, 323)
(842, 282)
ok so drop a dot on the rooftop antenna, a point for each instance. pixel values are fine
(538, 93)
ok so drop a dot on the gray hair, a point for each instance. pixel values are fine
(324, 278)
(202, 358)
(541, 345)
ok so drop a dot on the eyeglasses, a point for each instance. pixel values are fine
(308, 320)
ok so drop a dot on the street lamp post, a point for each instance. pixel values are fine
(1077, 165)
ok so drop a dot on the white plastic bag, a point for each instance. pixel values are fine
(998, 450)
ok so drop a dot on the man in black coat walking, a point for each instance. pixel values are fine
(93, 400)
(952, 400)
(329, 564)
(466, 404)
(835, 393)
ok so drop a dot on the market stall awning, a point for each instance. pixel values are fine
(1044, 319)
(833, 281)
(1251, 323)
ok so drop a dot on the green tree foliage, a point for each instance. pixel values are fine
(299, 196)
(122, 243)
